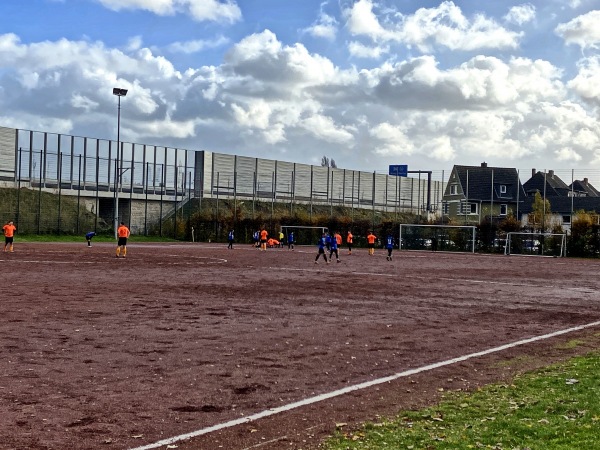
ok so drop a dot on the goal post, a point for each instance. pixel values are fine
(456, 238)
(536, 244)
(303, 235)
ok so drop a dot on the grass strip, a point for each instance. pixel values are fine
(555, 408)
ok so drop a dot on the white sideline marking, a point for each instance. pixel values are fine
(356, 387)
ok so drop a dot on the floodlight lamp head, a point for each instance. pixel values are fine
(120, 92)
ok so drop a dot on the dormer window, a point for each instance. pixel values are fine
(453, 189)
(503, 189)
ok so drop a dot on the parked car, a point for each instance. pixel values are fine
(531, 245)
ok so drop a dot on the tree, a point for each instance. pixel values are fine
(540, 215)
(328, 162)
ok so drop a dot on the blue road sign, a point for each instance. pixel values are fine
(399, 170)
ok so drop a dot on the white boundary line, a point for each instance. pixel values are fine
(356, 387)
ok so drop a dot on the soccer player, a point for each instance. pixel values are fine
(9, 233)
(334, 247)
(281, 239)
(371, 238)
(256, 238)
(349, 239)
(230, 239)
(389, 244)
(290, 241)
(88, 237)
(123, 234)
(321, 251)
(264, 235)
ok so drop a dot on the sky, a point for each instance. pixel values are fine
(367, 83)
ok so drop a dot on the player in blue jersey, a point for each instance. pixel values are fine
(333, 247)
(230, 239)
(88, 237)
(322, 244)
(389, 244)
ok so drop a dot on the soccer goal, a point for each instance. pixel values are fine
(539, 244)
(454, 238)
(303, 235)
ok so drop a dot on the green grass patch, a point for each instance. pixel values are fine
(519, 361)
(556, 408)
(573, 343)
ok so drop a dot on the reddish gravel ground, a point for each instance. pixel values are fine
(99, 352)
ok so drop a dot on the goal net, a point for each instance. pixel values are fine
(453, 238)
(303, 235)
(539, 244)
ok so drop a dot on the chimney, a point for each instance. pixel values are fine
(551, 173)
(532, 173)
(585, 181)
(483, 164)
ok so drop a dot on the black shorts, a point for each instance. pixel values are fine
(321, 250)
(371, 245)
(122, 241)
(8, 240)
(263, 241)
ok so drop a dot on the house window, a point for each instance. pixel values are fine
(503, 189)
(445, 208)
(503, 210)
(453, 189)
(468, 208)
(566, 219)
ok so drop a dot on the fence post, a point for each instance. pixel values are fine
(59, 188)
(78, 192)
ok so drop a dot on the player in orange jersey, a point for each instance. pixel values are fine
(9, 233)
(264, 235)
(371, 238)
(123, 234)
(349, 240)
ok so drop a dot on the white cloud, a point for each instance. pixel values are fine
(263, 58)
(443, 26)
(200, 10)
(586, 83)
(521, 14)
(567, 155)
(358, 50)
(325, 27)
(360, 20)
(134, 43)
(583, 30)
(83, 102)
(196, 46)
(393, 140)
(325, 128)
(269, 98)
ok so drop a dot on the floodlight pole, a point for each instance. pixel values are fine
(119, 93)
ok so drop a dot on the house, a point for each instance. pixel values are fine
(580, 196)
(474, 193)
(548, 184)
(582, 188)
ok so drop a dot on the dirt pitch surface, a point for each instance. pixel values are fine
(188, 340)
